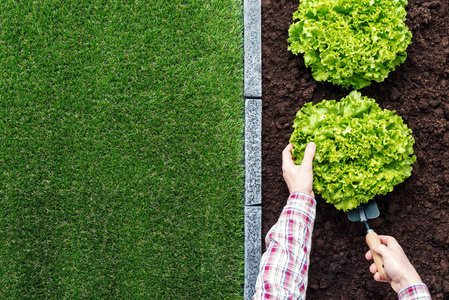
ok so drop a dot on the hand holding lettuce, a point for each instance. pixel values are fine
(362, 150)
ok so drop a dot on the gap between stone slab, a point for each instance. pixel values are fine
(252, 97)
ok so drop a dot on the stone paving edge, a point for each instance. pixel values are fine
(252, 16)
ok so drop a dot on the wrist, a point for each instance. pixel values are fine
(310, 195)
(308, 192)
(409, 280)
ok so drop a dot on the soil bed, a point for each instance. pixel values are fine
(417, 211)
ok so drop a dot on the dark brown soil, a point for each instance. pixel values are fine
(417, 211)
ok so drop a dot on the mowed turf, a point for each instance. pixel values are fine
(121, 137)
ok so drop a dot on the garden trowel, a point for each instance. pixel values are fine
(363, 213)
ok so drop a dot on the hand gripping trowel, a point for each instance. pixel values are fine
(363, 213)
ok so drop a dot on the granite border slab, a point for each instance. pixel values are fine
(253, 246)
(253, 152)
(252, 15)
(252, 35)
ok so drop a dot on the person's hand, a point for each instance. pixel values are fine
(401, 272)
(299, 178)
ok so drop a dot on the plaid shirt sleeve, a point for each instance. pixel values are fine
(415, 292)
(284, 265)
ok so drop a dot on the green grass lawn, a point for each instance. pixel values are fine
(121, 137)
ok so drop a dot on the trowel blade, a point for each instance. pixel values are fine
(369, 210)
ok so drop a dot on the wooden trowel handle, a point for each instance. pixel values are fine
(373, 239)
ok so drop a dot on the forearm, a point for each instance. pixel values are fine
(284, 265)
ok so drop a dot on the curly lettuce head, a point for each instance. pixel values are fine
(362, 150)
(350, 42)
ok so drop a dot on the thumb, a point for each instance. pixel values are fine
(381, 249)
(309, 155)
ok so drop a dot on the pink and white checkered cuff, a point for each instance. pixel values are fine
(415, 292)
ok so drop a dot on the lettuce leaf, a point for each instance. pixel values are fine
(350, 42)
(362, 150)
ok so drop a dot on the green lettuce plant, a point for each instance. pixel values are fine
(362, 150)
(350, 42)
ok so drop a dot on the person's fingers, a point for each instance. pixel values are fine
(373, 269)
(287, 158)
(369, 255)
(289, 146)
(378, 278)
(308, 156)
